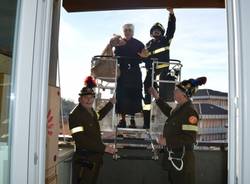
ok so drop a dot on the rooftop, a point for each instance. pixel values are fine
(209, 93)
(209, 109)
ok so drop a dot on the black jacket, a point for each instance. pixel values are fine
(182, 124)
(162, 42)
(85, 128)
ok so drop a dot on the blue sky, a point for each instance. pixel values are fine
(200, 42)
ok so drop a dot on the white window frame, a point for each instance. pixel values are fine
(30, 91)
(29, 105)
(239, 91)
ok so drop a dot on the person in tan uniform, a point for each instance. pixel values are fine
(179, 134)
(85, 129)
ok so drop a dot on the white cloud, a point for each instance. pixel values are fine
(199, 42)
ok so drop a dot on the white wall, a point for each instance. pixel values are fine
(239, 90)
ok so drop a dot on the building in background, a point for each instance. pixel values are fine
(211, 97)
(212, 107)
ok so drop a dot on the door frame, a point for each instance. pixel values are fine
(30, 91)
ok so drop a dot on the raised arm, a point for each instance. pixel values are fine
(104, 111)
(164, 107)
(171, 24)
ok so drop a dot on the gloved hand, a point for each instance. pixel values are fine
(144, 53)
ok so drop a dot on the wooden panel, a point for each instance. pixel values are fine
(53, 118)
(85, 5)
(51, 172)
(5, 64)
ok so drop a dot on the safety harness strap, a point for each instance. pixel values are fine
(171, 159)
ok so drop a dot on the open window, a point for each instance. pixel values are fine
(210, 121)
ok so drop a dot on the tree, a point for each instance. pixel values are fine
(67, 106)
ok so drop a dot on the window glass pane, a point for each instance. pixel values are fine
(7, 29)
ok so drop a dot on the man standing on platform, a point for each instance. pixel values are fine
(158, 48)
(129, 83)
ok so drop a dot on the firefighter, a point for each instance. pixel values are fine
(85, 129)
(129, 83)
(179, 134)
(158, 49)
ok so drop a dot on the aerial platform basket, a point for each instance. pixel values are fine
(105, 68)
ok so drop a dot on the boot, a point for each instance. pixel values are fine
(122, 124)
(146, 117)
(132, 123)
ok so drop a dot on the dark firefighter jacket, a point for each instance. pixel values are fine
(85, 129)
(162, 43)
(181, 126)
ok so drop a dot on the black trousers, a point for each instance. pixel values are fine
(166, 90)
(186, 175)
(83, 170)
